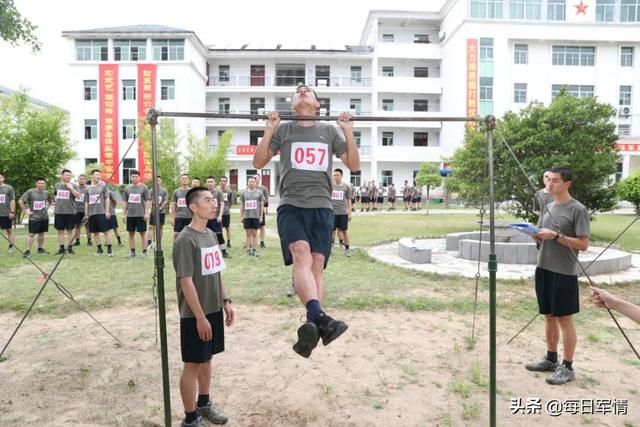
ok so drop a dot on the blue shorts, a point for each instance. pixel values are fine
(312, 225)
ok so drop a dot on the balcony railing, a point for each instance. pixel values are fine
(289, 81)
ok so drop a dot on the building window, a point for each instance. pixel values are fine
(168, 50)
(323, 75)
(556, 10)
(486, 49)
(129, 50)
(290, 74)
(325, 106)
(128, 128)
(224, 105)
(486, 88)
(127, 166)
(486, 8)
(521, 54)
(420, 139)
(630, 10)
(420, 105)
(128, 90)
(257, 75)
(520, 93)
(421, 72)
(283, 104)
(387, 139)
(355, 106)
(387, 71)
(356, 74)
(357, 136)
(525, 9)
(256, 106)
(387, 105)
(355, 178)
(255, 136)
(421, 38)
(387, 38)
(387, 178)
(224, 73)
(90, 90)
(604, 10)
(624, 130)
(90, 161)
(579, 91)
(619, 167)
(573, 55)
(626, 56)
(92, 50)
(90, 129)
(625, 95)
(167, 90)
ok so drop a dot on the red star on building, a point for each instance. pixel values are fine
(581, 8)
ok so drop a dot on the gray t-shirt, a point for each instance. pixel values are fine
(218, 199)
(391, 193)
(339, 196)
(180, 199)
(252, 201)
(265, 192)
(113, 201)
(196, 255)
(65, 200)
(540, 201)
(163, 195)
(7, 194)
(364, 191)
(38, 202)
(82, 189)
(573, 219)
(135, 196)
(96, 198)
(227, 197)
(306, 160)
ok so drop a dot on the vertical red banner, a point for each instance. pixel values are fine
(146, 100)
(109, 141)
(472, 80)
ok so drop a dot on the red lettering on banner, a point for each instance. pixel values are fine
(108, 113)
(472, 79)
(146, 100)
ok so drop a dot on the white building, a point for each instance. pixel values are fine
(471, 57)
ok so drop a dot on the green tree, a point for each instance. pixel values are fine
(168, 148)
(629, 190)
(33, 142)
(578, 133)
(428, 175)
(14, 28)
(202, 161)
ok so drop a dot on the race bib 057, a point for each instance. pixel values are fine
(310, 156)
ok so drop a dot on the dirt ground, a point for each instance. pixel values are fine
(391, 368)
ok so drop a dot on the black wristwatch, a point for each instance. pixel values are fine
(227, 300)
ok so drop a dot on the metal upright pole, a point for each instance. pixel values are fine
(493, 267)
(152, 117)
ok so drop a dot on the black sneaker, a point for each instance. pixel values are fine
(77, 243)
(26, 254)
(60, 251)
(307, 339)
(329, 329)
(212, 413)
(89, 243)
(262, 245)
(225, 254)
(71, 251)
(229, 244)
(42, 251)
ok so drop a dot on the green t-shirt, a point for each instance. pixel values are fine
(252, 201)
(65, 200)
(38, 202)
(197, 255)
(7, 194)
(135, 196)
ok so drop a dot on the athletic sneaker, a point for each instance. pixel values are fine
(329, 329)
(10, 251)
(131, 255)
(60, 251)
(249, 252)
(197, 423)
(562, 375)
(211, 413)
(262, 245)
(110, 254)
(71, 251)
(89, 243)
(347, 252)
(99, 252)
(307, 339)
(254, 253)
(225, 254)
(77, 243)
(291, 292)
(543, 365)
(26, 254)
(42, 251)
(229, 244)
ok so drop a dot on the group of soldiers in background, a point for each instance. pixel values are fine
(372, 197)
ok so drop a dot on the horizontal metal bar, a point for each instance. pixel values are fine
(318, 118)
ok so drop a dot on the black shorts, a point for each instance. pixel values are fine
(214, 225)
(112, 222)
(136, 223)
(407, 198)
(5, 223)
(341, 222)
(38, 226)
(194, 350)
(79, 218)
(391, 199)
(364, 199)
(226, 221)
(418, 199)
(266, 203)
(312, 225)
(152, 219)
(98, 223)
(64, 221)
(251, 223)
(414, 200)
(380, 200)
(180, 224)
(557, 294)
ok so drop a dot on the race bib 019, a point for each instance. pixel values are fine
(63, 194)
(212, 261)
(251, 204)
(134, 198)
(182, 203)
(337, 195)
(310, 156)
(39, 205)
(94, 199)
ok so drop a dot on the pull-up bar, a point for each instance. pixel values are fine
(157, 113)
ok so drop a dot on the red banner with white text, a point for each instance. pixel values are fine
(146, 101)
(472, 80)
(108, 114)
